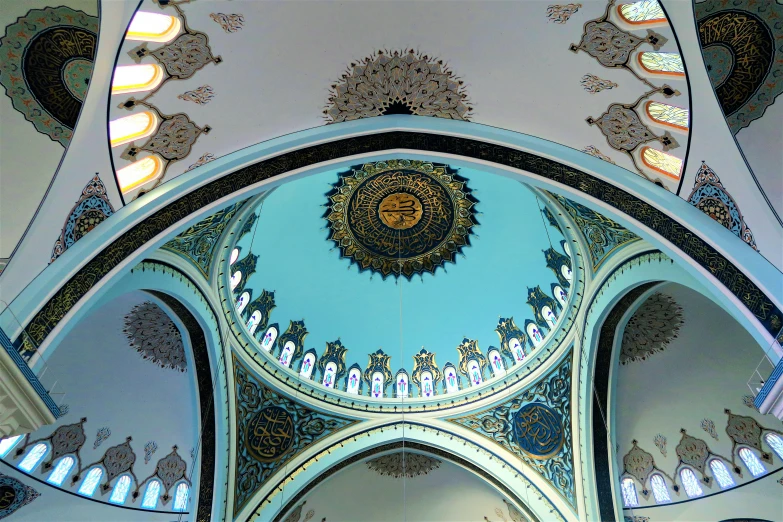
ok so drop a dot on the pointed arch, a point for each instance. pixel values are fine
(61, 471)
(33, 457)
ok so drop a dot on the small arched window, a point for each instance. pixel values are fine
(252, 323)
(234, 256)
(775, 442)
(8, 444)
(242, 302)
(151, 495)
(61, 471)
(120, 491)
(235, 279)
(560, 295)
(667, 115)
(153, 27)
(474, 372)
(139, 173)
(450, 377)
(269, 338)
(535, 334)
(287, 354)
(721, 474)
(660, 491)
(33, 457)
(378, 381)
(136, 78)
(549, 315)
(181, 497)
(402, 386)
(354, 378)
(498, 368)
(659, 161)
(644, 12)
(306, 370)
(752, 462)
(669, 64)
(427, 386)
(566, 272)
(130, 128)
(690, 483)
(330, 374)
(516, 348)
(90, 483)
(629, 493)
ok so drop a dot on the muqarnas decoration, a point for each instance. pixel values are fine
(46, 62)
(397, 82)
(271, 431)
(403, 464)
(711, 197)
(536, 427)
(654, 325)
(152, 333)
(400, 217)
(740, 43)
(14, 495)
(91, 210)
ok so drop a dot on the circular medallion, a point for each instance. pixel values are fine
(400, 217)
(269, 434)
(7, 497)
(538, 430)
(76, 77)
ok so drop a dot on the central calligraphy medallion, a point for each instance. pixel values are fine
(538, 430)
(400, 210)
(269, 434)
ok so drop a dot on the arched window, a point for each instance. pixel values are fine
(660, 491)
(235, 279)
(354, 378)
(668, 115)
(8, 444)
(561, 296)
(33, 457)
(330, 373)
(427, 387)
(60, 471)
(306, 370)
(474, 372)
(242, 302)
(269, 338)
(234, 256)
(376, 390)
(136, 78)
(252, 323)
(690, 483)
(151, 495)
(402, 386)
(139, 173)
(120, 491)
(550, 317)
(566, 272)
(90, 483)
(498, 368)
(181, 497)
(287, 353)
(775, 442)
(629, 493)
(535, 334)
(644, 12)
(516, 348)
(659, 161)
(752, 462)
(669, 64)
(134, 127)
(721, 474)
(153, 27)
(450, 377)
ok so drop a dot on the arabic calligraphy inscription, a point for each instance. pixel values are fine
(270, 434)
(538, 430)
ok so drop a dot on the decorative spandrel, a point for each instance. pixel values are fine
(400, 217)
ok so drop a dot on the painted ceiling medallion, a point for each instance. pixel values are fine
(155, 336)
(14, 495)
(651, 328)
(397, 82)
(403, 464)
(401, 217)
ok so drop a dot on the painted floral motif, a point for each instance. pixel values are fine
(692, 451)
(745, 430)
(202, 95)
(92, 208)
(171, 469)
(651, 328)
(403, 464)
(638, 463)
(149, 448)
(660, 443)
(749, 401)
(64, 409)
(231, 23)
(593, 151)
(709, 426)
(560, 14)
(203, 160)
(103, 434)
(15, 495)
(117, 460)
(593, 84)
(153, 334)
(710, 196)
(397, 82)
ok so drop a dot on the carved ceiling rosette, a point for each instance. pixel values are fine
(403, 464)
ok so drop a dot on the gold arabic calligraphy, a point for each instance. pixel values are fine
(270, 434)
(538, 430)
(400, 210)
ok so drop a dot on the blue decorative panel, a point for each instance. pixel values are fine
(14, 495)
(536, 427)
(92, 208)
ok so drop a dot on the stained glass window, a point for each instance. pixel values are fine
(7, 445)
(252, 323)
(535, 334)
(181, 497)
(666, 164)
(136, 78)
(153, 27)
(660, 491)
(33, 457)
(498, 368)
(329, 375)
(690, 483)
(474, 372)
(242, 302)
(139, 172)
(566, 272)
(644, 12)
(662, 63)
(234, 256)
(235, 279)
(560, 295)
(90, 483)
(134, 127)
(376, 390)
(269, 338)
(306, 370)
(354, 378)
(668, 115)
(551, 320)
(629, 493)
(151, 495)
(516, 349)
(402, 386)
(721, 474)
(775, 442)
(450, 377)
(427, 386)
(752, 462)
(120, 491)
(287, 353)
(60, 471)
